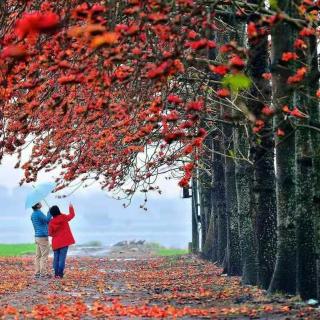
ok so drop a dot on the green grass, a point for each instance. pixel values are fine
(165, 252)
(171, 252)
(13, 250)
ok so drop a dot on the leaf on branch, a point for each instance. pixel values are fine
(273, 4)
(237, 82)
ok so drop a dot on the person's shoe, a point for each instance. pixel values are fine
(37, 275)
(45, 276)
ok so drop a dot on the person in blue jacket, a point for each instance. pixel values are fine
(40, 224)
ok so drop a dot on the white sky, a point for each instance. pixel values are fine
(10, 178)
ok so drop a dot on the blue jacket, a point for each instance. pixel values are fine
(40, 223)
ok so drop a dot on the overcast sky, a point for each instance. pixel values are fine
(99, 217)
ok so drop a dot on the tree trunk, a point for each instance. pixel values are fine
(205, 210)
(244, 178)
(306, 188)
(284, 276)
(195, 216)
(314, 110)
(208, 238)
(208, 248)
(218, 198)
(306, 249)
(233, 252)
(262, 154)
(204, 186)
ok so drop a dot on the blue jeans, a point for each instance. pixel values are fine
(59, 261)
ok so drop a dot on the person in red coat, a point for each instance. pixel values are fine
(62, 237)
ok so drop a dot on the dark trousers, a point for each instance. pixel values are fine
(59, 261)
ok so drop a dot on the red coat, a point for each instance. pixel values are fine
(60, 231)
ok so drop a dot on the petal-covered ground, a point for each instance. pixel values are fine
(172, 287)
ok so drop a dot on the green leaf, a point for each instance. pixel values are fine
(273, 4)
(210, 90)
(232, 153)
(236, 82)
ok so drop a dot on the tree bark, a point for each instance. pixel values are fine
(219, 200)
(284, 276)
(306, 245)
(233, 251)
(204, 187)
(307, 216)
(262, 154)
(314, 109)
(208, 237)
(244, 178)
(195, 216)
(205, 210)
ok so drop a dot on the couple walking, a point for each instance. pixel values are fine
(56, 225)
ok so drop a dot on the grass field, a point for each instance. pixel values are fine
(163, 251)
(12, 250)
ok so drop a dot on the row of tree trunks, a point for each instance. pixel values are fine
(260, 203)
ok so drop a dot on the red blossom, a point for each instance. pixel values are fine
(280, 133)
(69, 79)
(36, 22)
(259, 125)
(98, 8)
(299, 76)
(14, 51)
(267, 111)
(267, 75)
(286, 109)
(184, 182)
(236, 61)
(157, 17)
(80, 109)
(252, 30)
(157, 71)
(226, 48)
(195, 105)
(297, 113)
(188, 149)
(307, 32)
(188, 167)
(202, 132)
(211, 44)
(300, 44)
(192, 34)
(170, 137)
(288, 56)
(199, 44)
(197, 142)
(223, 93)
(136, 51)
(173, 116)
(174, 99)
(221, 69)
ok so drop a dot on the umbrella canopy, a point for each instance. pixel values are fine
(39, 193)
